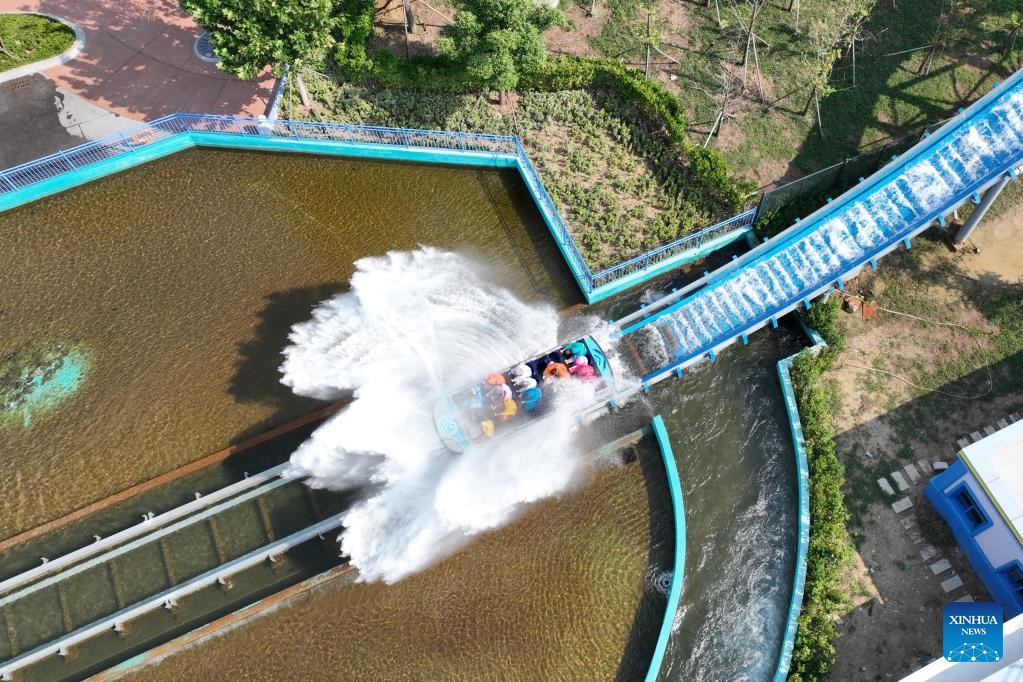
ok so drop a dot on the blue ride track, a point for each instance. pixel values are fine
(953, 165)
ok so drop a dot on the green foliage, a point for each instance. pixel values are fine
(497, 40)
(823, 316)
(355, 28)
(625, 33)
(249, 35)
(830, 548)
(621, 190)
(29, 38)
(657, 103)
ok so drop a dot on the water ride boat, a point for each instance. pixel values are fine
(516, 397)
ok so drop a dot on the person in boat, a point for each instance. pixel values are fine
(582, 369)
(487, 428)
(574, 350)
(506, 411)
(523, 384)
(521, 371)
(531, 398)
(555, 370)
(497, 394)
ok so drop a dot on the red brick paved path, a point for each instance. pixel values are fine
(139, 60)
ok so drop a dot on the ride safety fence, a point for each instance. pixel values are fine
(76, 165)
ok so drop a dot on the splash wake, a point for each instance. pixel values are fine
(413, 327)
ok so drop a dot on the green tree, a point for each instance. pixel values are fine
(498, 40)
(249, 35)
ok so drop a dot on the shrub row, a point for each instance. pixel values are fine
(565, 73)
(830, 548)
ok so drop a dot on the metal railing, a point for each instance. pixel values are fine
(130, 140)
(695, 240)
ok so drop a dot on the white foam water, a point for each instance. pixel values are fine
(413, 327)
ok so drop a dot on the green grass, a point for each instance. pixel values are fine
(30, 38)
(890, 98)
(620, 188)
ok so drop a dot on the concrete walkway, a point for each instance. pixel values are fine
(38, 117)
(139, 61)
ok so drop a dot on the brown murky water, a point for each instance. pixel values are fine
(554, 596)
(179, 280)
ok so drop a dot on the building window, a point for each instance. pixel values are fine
(971, 510)
(1013, 575)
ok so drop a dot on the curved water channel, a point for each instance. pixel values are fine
(181, 306)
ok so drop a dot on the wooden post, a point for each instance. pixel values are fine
(404, 26)
(302, 92)
(648, 16)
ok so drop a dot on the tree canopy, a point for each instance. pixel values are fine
(249, 35)
(498, 40)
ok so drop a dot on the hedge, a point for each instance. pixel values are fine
(830, 548)
(564, 73)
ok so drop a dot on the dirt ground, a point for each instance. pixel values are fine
(429, 18)
(884, 424)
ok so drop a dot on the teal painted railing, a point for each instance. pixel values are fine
(70, 167)
(678, 572)
(803, 486)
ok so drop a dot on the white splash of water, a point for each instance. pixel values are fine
(413, 327)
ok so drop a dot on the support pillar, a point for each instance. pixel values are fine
(971, 223)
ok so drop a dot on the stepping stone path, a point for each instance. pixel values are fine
(966, 598)
(923, 466)
(989, 430)
(953, 583)
(908, 522)
(928, 553)
(1002, 423)
(899, 481)
(975, 436)
(939, 567)
(962, 443)
(902, 505)
(886, 487)
(911, 471)
(940, 466)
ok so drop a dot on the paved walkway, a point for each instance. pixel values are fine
(139, 60)
(38, 117)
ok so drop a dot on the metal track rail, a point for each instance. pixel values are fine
(146, 526)
(167, 598)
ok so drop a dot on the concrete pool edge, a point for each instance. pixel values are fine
(803, 482)
(678, 572)
(34, 180)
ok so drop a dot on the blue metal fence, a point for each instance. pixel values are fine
(690, 242)
(130, 140)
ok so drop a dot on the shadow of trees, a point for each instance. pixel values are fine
(30, 125)
(139, 58)
(891, 98)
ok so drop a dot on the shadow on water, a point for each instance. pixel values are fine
(257, 377)
(520, 217)
(650, 613)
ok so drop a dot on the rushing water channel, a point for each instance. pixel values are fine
(178, 282)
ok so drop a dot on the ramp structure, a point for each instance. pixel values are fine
(973, 152)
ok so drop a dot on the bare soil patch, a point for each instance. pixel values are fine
(884, 424)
